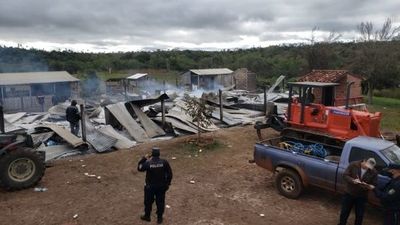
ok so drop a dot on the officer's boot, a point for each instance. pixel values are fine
(145, 218)
(159, 219)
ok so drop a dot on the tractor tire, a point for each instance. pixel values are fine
(289, 184)
(19, 169)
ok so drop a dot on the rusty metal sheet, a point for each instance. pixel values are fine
(151, 128)
(122, 141)
(65, 134)
(120, 112)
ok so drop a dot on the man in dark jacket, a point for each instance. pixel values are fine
(358, 176)
(390, 196)
(158, 180)
(73, 117)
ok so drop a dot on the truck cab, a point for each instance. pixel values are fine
(296, 170)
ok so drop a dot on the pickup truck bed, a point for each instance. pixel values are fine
(295, 170)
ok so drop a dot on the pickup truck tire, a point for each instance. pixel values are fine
(288, 183)
(20, 169)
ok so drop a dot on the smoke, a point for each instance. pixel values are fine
(21, 60)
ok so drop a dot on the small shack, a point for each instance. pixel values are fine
(207, 79)
(343, 77)
(244, 79)
(137, 81)
(36, 91)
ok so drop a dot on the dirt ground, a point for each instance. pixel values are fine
(227, 189)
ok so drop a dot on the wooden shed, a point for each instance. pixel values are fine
(36, 91)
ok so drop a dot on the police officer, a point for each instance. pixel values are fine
(73, 117)
(158, 180)
(390, 195)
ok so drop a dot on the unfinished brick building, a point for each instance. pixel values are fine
(342, 77)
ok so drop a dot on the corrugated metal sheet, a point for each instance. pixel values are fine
(136, 76)
(217, 71)
(36, 78)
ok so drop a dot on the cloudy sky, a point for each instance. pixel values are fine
(130, 25)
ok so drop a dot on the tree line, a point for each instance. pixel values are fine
(375, 55)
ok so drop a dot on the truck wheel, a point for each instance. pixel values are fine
(20, 169)
(289, 183)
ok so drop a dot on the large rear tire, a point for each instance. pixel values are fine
(21, 169)
(289, 184)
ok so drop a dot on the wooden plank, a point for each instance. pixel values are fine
(120, 112)
(151, 128)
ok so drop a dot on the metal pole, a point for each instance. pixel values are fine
(221, 113)
(163, 112)
(2, 127)
(265, 100)
(348, 94)
(83, 122)
(125, 87)
(164, 86)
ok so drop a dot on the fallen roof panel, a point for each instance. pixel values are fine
(151, 128)
(120, 112)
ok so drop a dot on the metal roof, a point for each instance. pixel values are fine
(136, 76)
(313, 84)
(217, 71)
(36, 78)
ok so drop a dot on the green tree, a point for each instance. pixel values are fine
(199, 111)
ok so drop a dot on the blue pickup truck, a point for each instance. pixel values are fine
(295, 170)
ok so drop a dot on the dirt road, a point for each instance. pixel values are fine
(227, 190)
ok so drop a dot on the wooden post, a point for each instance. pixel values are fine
(125, 87)
(265, 100)
(83, 122)
(163, 112)
(221, 113)
(2, 127)
(164, 86)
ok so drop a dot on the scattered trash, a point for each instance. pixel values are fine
(229, 146)
(200, 150)
(262, 215)
(86, 174)
(173, 158)
(40, 189)
(81, 160)
(83, 166)
(167, 206)
(192, 182)
(98, 177)
(68, 182)
(75, 216)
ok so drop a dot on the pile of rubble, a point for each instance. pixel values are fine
(122, 125)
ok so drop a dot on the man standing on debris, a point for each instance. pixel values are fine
(73, 117)
(390, 195)
(358, 176)
(158, 180)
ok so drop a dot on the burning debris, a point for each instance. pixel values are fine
(112, 124)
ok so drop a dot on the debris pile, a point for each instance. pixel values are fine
(111, 125)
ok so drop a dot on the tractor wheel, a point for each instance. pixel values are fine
(20, 169)
(289, 184)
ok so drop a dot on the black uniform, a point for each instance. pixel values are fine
(390, 199)
(158, 179)
(73, 117)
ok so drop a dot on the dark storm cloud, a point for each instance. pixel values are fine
(158, 23)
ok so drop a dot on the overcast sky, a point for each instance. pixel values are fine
(127, 25)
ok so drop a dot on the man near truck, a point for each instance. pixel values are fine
(390, 196)
(358, 176)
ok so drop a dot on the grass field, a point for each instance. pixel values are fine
(390, 109)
